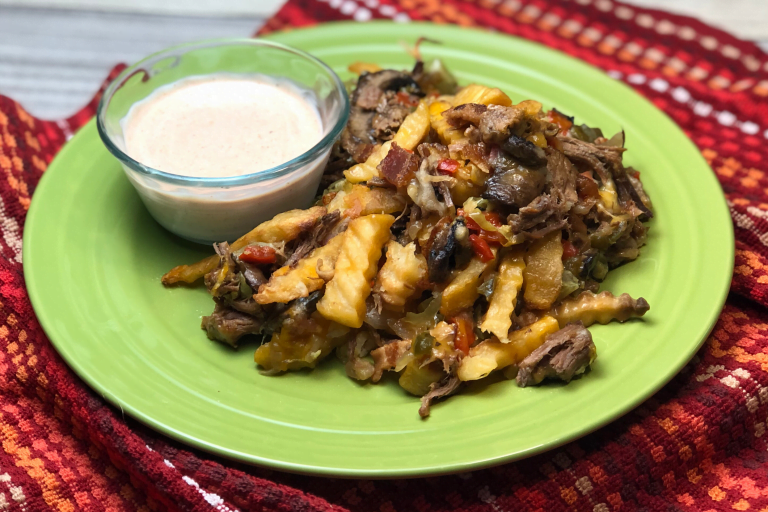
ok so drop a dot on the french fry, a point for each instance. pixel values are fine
(543, 274)
(359, 67)
(360, 200)
(475, 93)
(284, 227)
(600, 308)
(498, 319)
(287, 283)
(357, 264)
(412, 131)
(400, 275)
(492, 354)
(462, 292)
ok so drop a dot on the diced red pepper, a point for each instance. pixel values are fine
(493, 218)
(447, 166)
(560, 120)
(481, 248)
(471, 224)
(259, 255)
(465, 332)
(636, 174)
(569, 250)
(406, 99)
(493, 237)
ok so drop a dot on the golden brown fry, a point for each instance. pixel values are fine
(287, 283)
(600, 308)
(462, 292)
(400, 275)
(543, 274)
(357, 264)
(492, 354)
(498, 319)
(283, 227)
(359, 67)
(360, 200)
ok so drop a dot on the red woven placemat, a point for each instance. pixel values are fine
(699, 444)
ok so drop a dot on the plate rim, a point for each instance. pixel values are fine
(685, 356)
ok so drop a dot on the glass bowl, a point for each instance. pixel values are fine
(206, 210)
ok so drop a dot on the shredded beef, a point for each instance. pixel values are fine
(386, 357)
(314, 238)
(562, 177)
(389, 115)
(228, 325)
(604, 160)
(497, 122)
(368, 126)
(463, 115)
(445, 387)
(564, 354)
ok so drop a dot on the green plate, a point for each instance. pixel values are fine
(93, 258)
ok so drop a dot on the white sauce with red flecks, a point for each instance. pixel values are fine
(222, 125)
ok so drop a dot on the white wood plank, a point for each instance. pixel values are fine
(53, 61)
(207, 8)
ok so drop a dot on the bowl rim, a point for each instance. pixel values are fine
(273, 172)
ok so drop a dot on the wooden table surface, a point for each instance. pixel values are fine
(52, 60)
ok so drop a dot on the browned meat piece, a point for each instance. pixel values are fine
(604, 160)
(445, 387)
(516, 187)
(389, 115)
(528, 153)
(360, 136)
(629, 198)
(228, 326)
(497, 123)
(370, 87)
(539, 218)
(314, 238)
(464, 115)
(399, 166)
(564, 354)
(385, 358)
(562, 177)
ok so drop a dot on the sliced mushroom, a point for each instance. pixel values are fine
(443, 245)
(528, 153)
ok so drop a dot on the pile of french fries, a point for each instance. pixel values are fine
(375, 288)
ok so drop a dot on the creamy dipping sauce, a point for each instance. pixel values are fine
(225, 125)
(222, 125)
